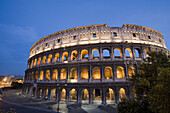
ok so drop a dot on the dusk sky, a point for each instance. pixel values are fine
(23, 22)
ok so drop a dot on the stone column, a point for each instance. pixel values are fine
(78, 73)
(101, 53)
(51, 74)
(53, 58)
(89, 54)
(123, 53)
(78, 96)
(90, 96)
(112, 54)
(42, 94)
(103, 96)
(49, 93)
(79, 55)
(116, 96)
(133, 53)
(90, 73)
(102, 73)
(44, 79)
(69, 56)
(60, 59)
(67, 96)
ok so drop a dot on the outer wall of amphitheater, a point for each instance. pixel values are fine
(89, 64)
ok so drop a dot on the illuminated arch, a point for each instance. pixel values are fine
(32, 76)
(55, 74)
(47, 75)
(73, 95)
(97, 96)
(95, 53)
(36, 75)
(41, 75)
(108, 72)
(128, 53)
(74, 55)
(63, 74)
(117, 53)
(63, 94)
(106, 53)
(122, 94)
(131, 71)
(39, 61)
(110, 97)
(65, 56)
(146, 53)
(44, 60)
(57, 57)
(50, 57)
(73, 75)
(84, 54)
(84, 73)
(32, 62)
(96, 73)
(53, 94)
(40, 93)
(35, 62)
(46, 93)
(120, 72)
(85, 96)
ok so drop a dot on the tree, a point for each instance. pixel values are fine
(148, 80)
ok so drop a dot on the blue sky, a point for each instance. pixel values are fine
(23, 22)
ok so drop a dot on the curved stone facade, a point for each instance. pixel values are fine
(89, 64)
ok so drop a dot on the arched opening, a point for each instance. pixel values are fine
(122, 94)
(97, 96)
(137, 53)
(46, 93)
(32, 63)
(84, 54)
(50, 57)
(63, 74)
(55, 74)
(74, 55)
(120, 72)
(84, 73)
(40, 93)
(117, 53)
(146, 53)
(36, 75)
(41, 75)
(110, 97)
(65, 56)
(63, 94)
(47, 75)
(32, 76)
(128, 53)
(133, 93)
(73, 95)
(53, 95)
(96, 73)
(39, 61)
(44, 60)
(35, 62)
(108, 73)
(95, 53)
(85, 96)
(57, 57)
(106, 53)
(33, 92)
(131, 71)
(73, 75)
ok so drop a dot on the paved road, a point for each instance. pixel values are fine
(20, 109)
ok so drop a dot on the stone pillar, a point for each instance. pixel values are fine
(42, 94)
(79, 55)
(115, 72)
(60, 59)
(53, 58)
(78, 73)
(44, 75)
(112, 53)
(46, 59)
(90, 73)
(69, 56)
(49, 93)
(90, 54)
(67, 96)
(102, 73)
(123, 53)
(38, 74)
(101, 53)
(51, 74)
(116, 96)
(78, 96)
(133, 53)
(41, 60)
(90, 96)
(103, 96)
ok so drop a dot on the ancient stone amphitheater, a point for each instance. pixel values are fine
(89, 64)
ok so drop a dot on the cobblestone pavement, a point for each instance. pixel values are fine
(23, 104)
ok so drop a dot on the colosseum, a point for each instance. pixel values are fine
(89, 64)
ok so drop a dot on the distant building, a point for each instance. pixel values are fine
(89, 64)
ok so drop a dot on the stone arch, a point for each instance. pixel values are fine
(84, 73)
(96, 73)
(97, 96)
(122, 94)
(44, 60)
(84, 96)
(55, 74)
(110, 96)
(63, 94)
(106, 53)
(63, 74)
(36, 75)
(53, 94)
(47, 75)
(108, 72)
(39, 61)
(65, 56)
(73, 75)
(50, 57)
(57, 57)
(120, 72)
(84, 54)
(117, 53)
(95, 53)
(74, 55)
(35, 62)
(131, 71)
(73, 95)
(128, 53)
(41, 75)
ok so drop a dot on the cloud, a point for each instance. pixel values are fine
(26, 34)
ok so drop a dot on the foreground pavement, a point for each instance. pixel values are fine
(21, 104)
